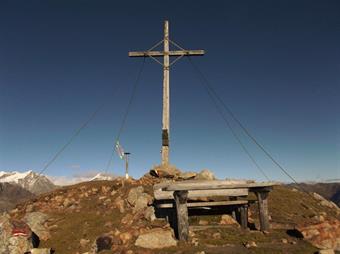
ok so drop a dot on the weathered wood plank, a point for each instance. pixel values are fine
(170, 53)
(161, 195)
(263, 210)
(166, 183)
(244, 216)
(182, 214)
(216, 184)
(203, 204)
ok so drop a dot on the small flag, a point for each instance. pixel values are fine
(119, 150)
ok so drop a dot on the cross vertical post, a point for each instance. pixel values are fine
(166, 97)
(166, 54)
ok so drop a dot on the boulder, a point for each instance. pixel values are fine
(187, 175)
(133, 195)
(84, 242)
(5, 232)
(103, 242)
(142, 202)
(165, 171)
(125, 237)
(325, 235)
(15, 236)
(139, 199)
(205, 174)
(149, 213)
(19, 245)
(250, 244)
(228, 220)
(157, 238)
(35, 221)
(120, 204)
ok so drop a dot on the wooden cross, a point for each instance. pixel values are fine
(166, 54)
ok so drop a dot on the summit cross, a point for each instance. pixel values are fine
(166, 54)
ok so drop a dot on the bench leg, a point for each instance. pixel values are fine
(182, 214)
(234, 211)
(244, 216)
(262, 198)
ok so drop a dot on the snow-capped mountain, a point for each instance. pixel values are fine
(28, 180)
(102, 176)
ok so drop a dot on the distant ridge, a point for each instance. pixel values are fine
(329, 190)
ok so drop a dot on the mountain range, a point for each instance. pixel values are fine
(29, 180)
(329, 190)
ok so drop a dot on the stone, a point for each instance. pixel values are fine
(203, 222)
(35, 221)
(19, 245)
(250, 244)
(187, 175)
(67, 202)
(284, 240)
(108, 224)
(120, 204)
(29, 208)
(5, 232)
(149, 213)
(41, 251)
(127, 219)
(139, 199)
(324, 235)
(103, 242)
(228, 220)
(217, 236)
(105, 189)
(165, 171)
(84, 242)
(59, 199)
(14, 236)
(157, 238)
(328, 251)
(125, 237)
(113, 193)
(133, 195)
(205, 174)
(142, 202)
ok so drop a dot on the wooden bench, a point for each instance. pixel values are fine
(182, 195)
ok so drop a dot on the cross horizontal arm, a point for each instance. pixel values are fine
(170, 53)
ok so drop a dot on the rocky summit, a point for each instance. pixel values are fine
(119, 216)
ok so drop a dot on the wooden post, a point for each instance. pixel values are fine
(244, 216)
(234, 211)
(166, 98)
(262, 197)
(182, 214)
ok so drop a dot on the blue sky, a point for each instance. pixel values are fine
(275, 63)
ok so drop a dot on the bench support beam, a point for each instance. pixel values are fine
(262, 197)
(244, 216)
(182, 214)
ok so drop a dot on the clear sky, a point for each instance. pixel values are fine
(275, 63)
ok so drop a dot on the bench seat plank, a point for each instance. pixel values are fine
(216, 184)
(161, 194)
(204, 204)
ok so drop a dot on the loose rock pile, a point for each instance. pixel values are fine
(324, 235)
(134, 225)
